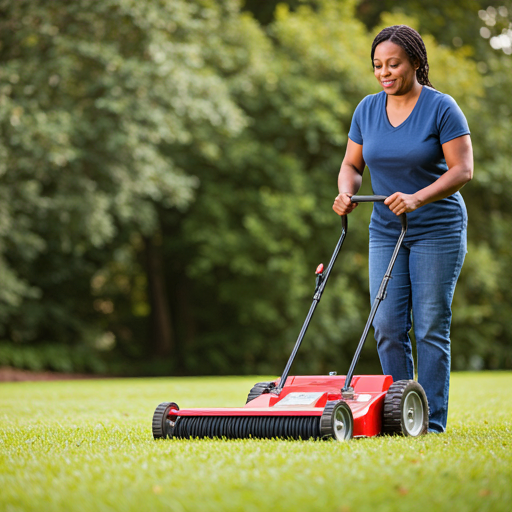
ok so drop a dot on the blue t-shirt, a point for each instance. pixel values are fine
(410, 157)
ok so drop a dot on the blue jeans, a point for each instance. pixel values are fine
(420, 293)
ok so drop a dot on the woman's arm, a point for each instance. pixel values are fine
(349, 178)
(459, 158)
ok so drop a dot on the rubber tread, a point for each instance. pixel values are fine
(325, 420)
(159, 417)
(258, 389)
(244, 427)
(393, 403)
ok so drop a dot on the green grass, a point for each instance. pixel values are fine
(87, 446)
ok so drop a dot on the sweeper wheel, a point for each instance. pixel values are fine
(161, 423)
(258, 389)
(337, 421)
(405, 409)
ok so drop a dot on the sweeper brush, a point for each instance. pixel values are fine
(312, 407)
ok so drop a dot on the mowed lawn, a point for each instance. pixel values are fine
(87, 446)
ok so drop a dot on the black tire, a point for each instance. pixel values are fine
(259, 389)
(161, 423)
(405, 409)
(337, 421)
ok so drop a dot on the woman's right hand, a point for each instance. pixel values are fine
(342, 204)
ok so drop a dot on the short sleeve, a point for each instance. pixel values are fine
(355, 132)
(451, 121)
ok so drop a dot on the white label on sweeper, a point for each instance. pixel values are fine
(300, 399)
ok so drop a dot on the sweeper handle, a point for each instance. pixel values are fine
(323, 276)
(347, 390)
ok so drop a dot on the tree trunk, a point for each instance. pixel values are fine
(161, 322)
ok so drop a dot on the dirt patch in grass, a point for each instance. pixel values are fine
(8, 374)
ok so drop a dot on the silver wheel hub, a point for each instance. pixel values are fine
(413, 414)
(340, 424)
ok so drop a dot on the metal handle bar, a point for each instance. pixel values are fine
(368, 199)
(378, 199)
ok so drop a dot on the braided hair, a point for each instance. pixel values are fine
(412, 43)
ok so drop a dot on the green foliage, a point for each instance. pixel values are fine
(270, 202)
(54, 357)
(193, 133)
(90, 98)
(87, 445)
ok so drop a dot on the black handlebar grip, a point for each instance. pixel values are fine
(368, 199)
(379, 199)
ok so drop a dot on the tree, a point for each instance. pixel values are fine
(91, 98)
(168, 172)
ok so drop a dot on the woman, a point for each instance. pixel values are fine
(416, 143)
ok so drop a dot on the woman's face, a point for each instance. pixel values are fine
(393, 69)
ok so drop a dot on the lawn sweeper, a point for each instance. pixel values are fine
(316, 406)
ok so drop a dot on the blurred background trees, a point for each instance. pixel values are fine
(167, 171)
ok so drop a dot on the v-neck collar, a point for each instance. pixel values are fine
(408, 117)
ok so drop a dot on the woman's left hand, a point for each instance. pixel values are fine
(402, 203)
